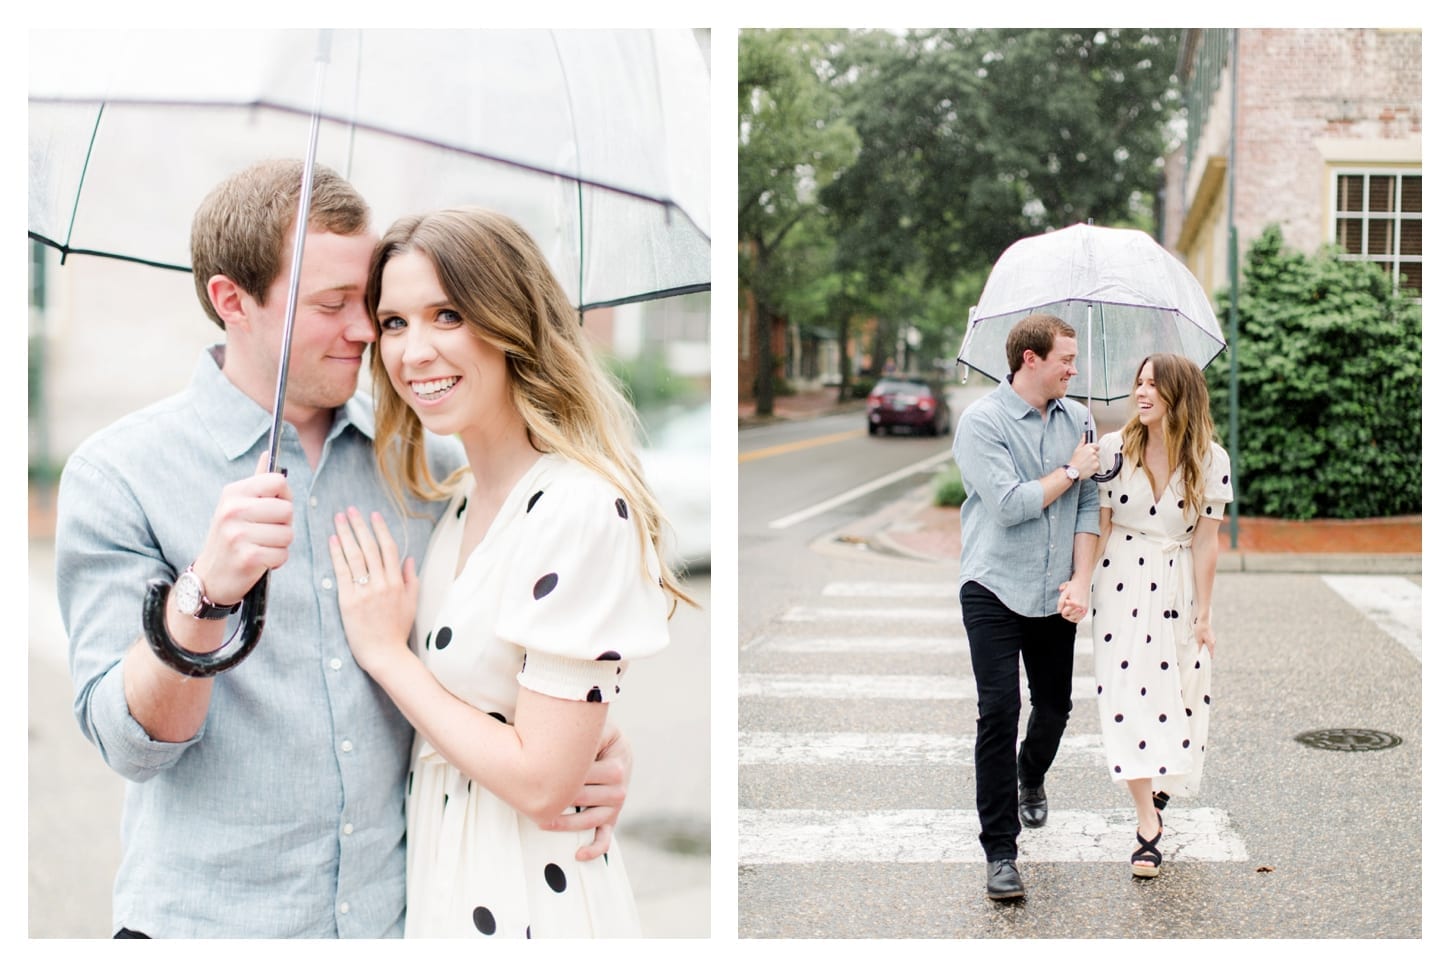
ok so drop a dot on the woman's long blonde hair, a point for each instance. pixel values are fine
(1187, 424)
(498, 279)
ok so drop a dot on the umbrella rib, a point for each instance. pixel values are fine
(669, 204)
(66, 251)
(81, 183)
(578, 159)
(648, 296)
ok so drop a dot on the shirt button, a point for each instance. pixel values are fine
(327, 584)
(336, 664)
(343, 907)
(312, 501)
(347, 829)
(347, 745)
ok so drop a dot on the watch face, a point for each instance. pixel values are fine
(187, 593)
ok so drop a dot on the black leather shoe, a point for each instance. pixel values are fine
(1032, 805)
(1003, 880)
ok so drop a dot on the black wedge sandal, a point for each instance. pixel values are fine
(1147, 850)
(1160, 801)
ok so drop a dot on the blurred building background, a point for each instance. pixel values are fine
(1326, 144)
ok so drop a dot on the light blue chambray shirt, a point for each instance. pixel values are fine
(1011, 544)
(283, 816)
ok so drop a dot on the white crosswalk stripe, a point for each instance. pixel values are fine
(1391, 602)
(885, 589)
(946, 617)
(886, 644)
(895, 748)
(858, 687)
(950, 836)
(846, 644)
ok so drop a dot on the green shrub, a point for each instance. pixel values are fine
(947, 489)
(1329, 373)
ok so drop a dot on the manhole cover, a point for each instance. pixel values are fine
(1348, 740)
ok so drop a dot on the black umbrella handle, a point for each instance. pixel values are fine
(1106, 475)
(195, 664)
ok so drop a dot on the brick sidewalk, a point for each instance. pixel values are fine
(935, 532)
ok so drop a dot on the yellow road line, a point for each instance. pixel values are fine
(800, 445)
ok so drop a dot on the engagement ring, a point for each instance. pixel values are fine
(361, 580)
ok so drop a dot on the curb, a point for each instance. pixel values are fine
(751, 420)
(874, 533)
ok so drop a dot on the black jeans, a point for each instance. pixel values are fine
(997, 635)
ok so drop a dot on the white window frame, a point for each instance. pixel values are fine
(1396, 215)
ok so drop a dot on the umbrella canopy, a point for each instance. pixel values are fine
(1125, 294)
(594, 140)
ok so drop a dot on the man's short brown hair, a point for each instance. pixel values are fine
(241, 228)
(1036, 332)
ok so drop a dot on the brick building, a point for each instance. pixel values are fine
(1328, 126)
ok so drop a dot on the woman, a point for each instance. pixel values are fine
(1152, 592)
(541, 580)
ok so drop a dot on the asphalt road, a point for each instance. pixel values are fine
(75, 801)
(856, 715)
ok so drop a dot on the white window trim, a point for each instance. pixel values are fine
(1396, 215)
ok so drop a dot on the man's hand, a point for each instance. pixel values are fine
(1085, 457)
(601, 800)
(1072, 599)
(251, 530)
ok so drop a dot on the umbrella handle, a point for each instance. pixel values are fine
(1107, 475)
(194, 664)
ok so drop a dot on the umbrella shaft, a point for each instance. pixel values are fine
(299, 238)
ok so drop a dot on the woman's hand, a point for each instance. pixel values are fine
(1203, 633)
(378, 596)
(1073, 599)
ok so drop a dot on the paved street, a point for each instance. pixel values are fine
(856, 785)
(75, 801)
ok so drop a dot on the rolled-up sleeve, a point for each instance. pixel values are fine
(104, 558)
(987, 467)
(1088, 502)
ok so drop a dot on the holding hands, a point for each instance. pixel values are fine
(1072, 599)
(377, 594)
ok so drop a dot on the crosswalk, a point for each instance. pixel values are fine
(826, 640)
(909, 622)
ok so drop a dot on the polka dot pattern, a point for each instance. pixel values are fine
(1151, 676)
(557, 604)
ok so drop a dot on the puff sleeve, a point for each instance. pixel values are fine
(1217, 484)
(577, 598)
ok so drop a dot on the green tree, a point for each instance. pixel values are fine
(971, 139)
(792, 141)
(1329, 364)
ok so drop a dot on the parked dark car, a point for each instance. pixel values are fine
(917, 404)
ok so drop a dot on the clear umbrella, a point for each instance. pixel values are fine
(1126, 295)
(595, 141)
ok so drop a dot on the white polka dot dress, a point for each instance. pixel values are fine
(554, 598)
(1153, 681)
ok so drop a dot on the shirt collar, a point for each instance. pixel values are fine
(237, 422)
(1019, 408)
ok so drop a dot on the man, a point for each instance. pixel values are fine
(1029, 530)
(266, 801)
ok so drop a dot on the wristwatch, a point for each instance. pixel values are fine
(190, 598)
(1070, 470)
